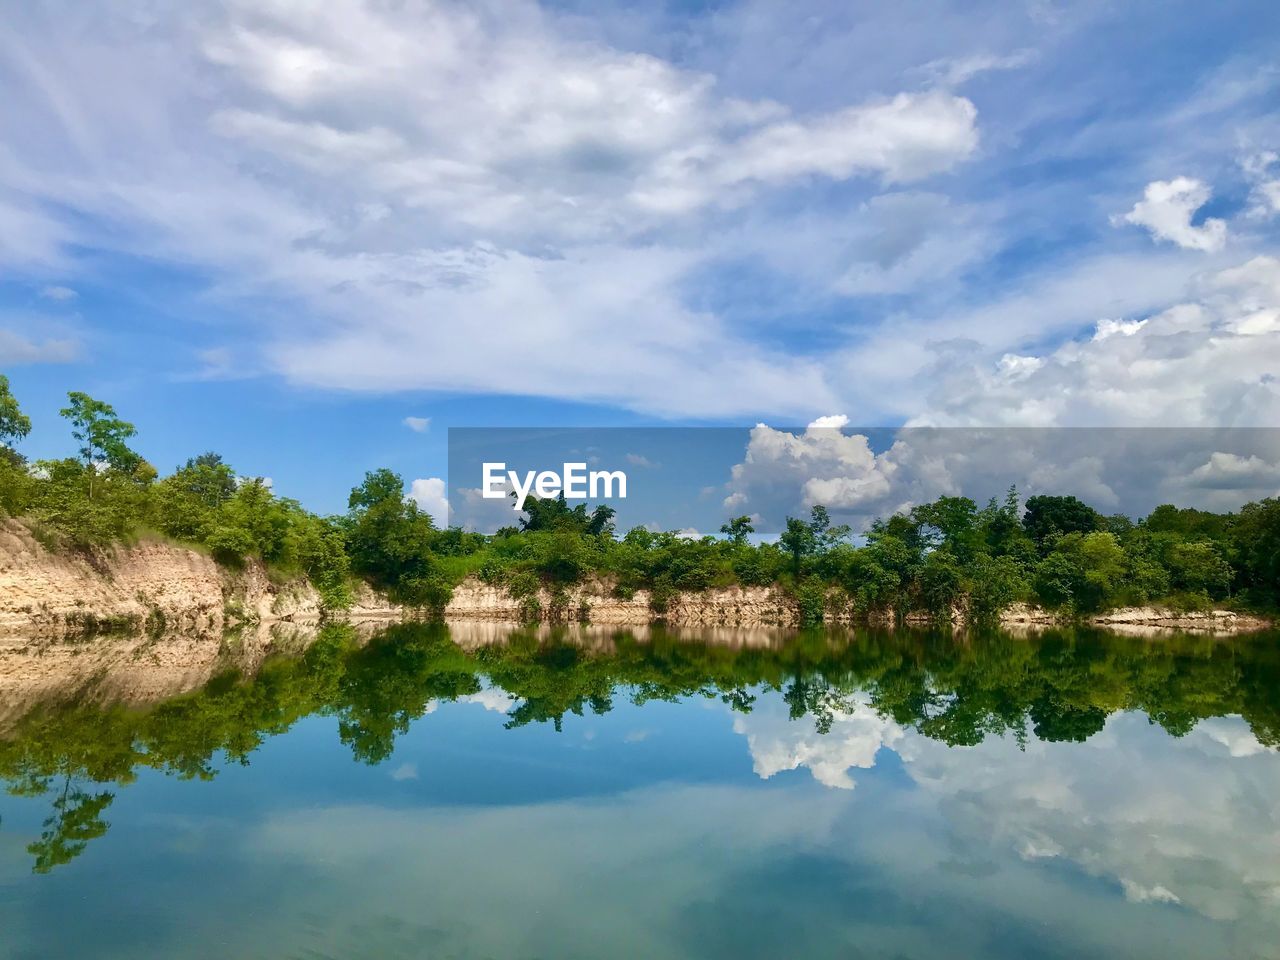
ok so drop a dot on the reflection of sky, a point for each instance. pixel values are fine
(677, 830)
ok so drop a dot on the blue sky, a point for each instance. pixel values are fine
(279, 229)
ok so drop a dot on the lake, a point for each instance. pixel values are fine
(478, 790)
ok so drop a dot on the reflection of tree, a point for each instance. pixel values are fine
(76, 818)
(1061, 685)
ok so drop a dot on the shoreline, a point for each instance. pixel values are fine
(160, 587)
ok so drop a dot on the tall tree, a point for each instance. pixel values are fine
(101, 433)
(738, 529)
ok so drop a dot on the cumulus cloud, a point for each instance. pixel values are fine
(1167, 208)
(860, 475)
(58, 293)
(1229, 471)
(429, 494)
(1212, 360)
(417, 424)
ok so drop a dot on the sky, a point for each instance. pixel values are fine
(314, 237)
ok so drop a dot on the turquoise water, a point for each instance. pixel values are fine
(491, 792)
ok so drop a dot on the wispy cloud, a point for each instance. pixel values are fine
(16, 348)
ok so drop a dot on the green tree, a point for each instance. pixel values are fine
(14, 424)
(1047, 517)
(15, 483)
(798, 539)
(101, 434)
(389, 540)
(738, 529)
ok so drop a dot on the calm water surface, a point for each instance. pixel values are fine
(481, 791)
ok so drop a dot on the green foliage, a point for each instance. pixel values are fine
(100, 432)
(943, 583)
(14, 424)
(1047, 518)
(389, 540)
(1084, 573)
(737, 530)
(1255, 545)
(811, 601)
(62, 501)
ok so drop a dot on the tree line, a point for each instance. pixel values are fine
(1054, 551)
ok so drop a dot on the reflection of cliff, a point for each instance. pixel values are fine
(130, 669)
(603, 638)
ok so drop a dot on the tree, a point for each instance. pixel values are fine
(1083, 572)
(1050, 516)
(389, 540)
(101, 433)
(1255, 539)
(14, 424)
(798, 539)
(15, 484)
(956, 521)
(737, 530)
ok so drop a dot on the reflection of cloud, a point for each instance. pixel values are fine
(1190, 821)
(778, 743)
(498, 701)
(1177, 821)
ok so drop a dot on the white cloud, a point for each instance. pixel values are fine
(383, 171)
(1229, 471)
(493, 699)
(417, 424)
(640, 460)
(1116, 470)
(782, 472)
(406, 771)
(954, 71)
(1211, 360)
(429, 494)
(1167, 208)
(1263, 170)
(57, 293)
(15, 348)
